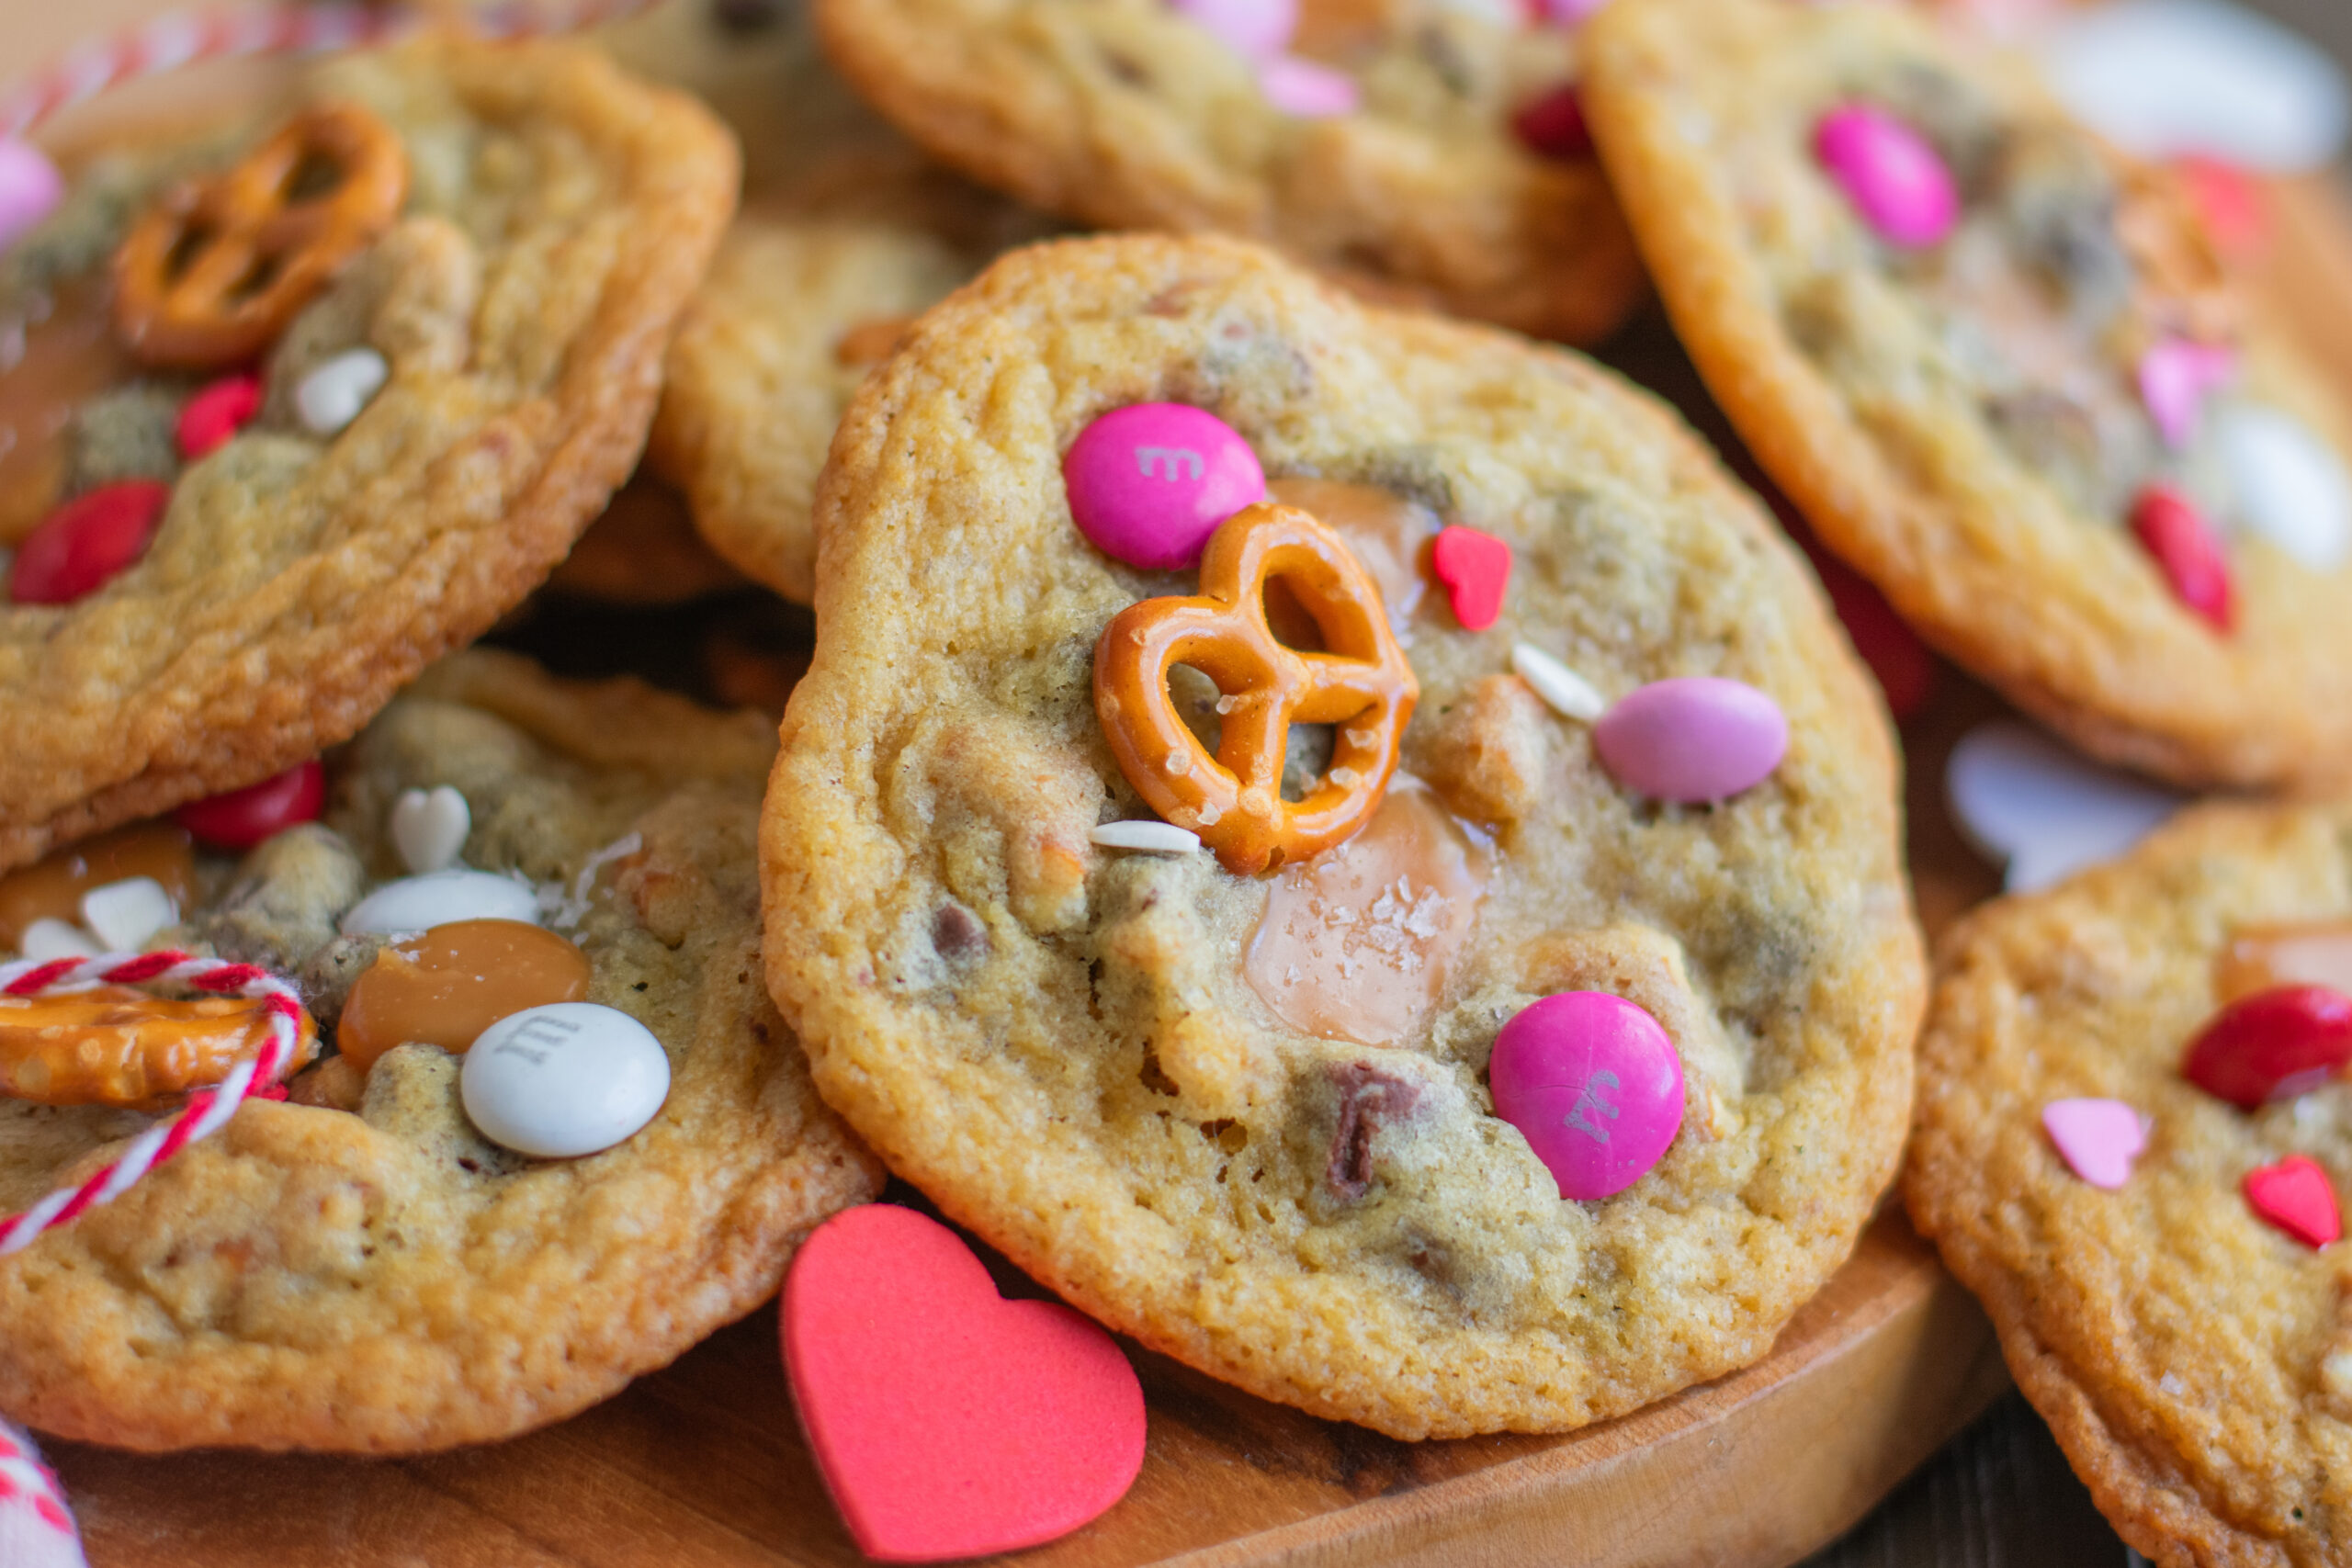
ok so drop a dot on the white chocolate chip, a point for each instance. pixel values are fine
(563, 1080)
(125, 914)
(49, 939)
(429, 828)
(1149, 838)
(2335, 1373)
(2287, 484)
(332, 395)
(1562, 689)
(419, 903)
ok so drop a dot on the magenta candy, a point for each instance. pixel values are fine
(1149, 483)
(1304, 90)
(31, 188)
(1696, 738)
(1258, 29)
(1594, 1085)
(1891, 173)
(2174, 377)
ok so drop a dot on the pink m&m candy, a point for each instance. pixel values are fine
(1695, 739)
(1594, 1085)
(1891, 173)
(1305, 90)
(1149, 483)
(1258, 29)
(31, 188)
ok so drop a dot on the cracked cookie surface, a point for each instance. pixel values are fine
(558, 216)
(1065, 1046)
(357, 1269)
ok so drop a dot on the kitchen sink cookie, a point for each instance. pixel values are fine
(2002, 370)
(1418, 148)
(2132, 1129)
(847, 231)
(644, 551)
(428, 1246)
(302, 408)
(1159, 855)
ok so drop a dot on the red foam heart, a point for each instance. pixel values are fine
(2296, 1196)
(947, 1421)
(1475, 568)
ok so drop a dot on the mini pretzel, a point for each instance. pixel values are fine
(215, 272)
(1362, 685)
(114, 1046)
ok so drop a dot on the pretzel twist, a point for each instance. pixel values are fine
(1362, 685)
(114, 1046)
(215, 272)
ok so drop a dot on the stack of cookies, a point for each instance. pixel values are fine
(1328, 828)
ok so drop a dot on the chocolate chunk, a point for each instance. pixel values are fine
(957, 933)
(1369, 1100)
(745, 17)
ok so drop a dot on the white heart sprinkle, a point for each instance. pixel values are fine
(1565, 692)
(332, 395)
(49, 939)
(127, 914)
(1150, 837)
(562, 1080)
(2165, 77)
(2022, 798)
(2287, 484)
(429, 828)
(419, 903)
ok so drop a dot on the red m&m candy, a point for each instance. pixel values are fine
(216, 413)
(1149, 483)
(1553, 125)
(1594, 1085)
(82, 545)
(243, 817)
(2174, 533)
(2272, 1045)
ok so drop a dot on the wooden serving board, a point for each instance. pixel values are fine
(701, 1465)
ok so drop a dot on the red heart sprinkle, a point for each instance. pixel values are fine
(2296, 1196)
(2272, 1045)
(2235, 214)
(1553, 125)
(216, 412)
(2175, 532)
(947, 1421)
(1475, 568)
(81, 547)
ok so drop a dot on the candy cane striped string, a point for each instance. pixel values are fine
(188, 38)
(208, 1110)
(36, 1527)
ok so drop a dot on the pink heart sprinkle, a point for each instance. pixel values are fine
(1564, 13)
(2098, 1139)
(2174, 377)
(1893, 175)
(1305, 90)
(1258, 29)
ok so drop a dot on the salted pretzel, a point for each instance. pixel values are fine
(116, 1047)
(1362, 685)
(215, 272)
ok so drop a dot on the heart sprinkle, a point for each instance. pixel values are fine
(2296, 1196)
(947, 1421)
(2098, 1139)
(429, 828)
(2272, 1045)
(1475, 568)
(2026, 801)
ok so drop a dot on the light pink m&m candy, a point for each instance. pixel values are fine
(1695, 739)
(1891, 173)
(1305, 90)
(31, 188)
(1149, 483)
(1258, 29)
(1594, 1085)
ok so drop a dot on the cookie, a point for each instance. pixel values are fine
(1427, 149)
(1247, 1119)
(847, 231)
(2002, 371)
(448, 393)
(363, 1269)
(644, 550)
(2193, 1359)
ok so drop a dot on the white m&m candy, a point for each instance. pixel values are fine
(419, 903)
(2288, 485)
(567, 1079)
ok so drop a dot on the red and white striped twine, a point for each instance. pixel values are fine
(187, 38)
(207, 1110)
